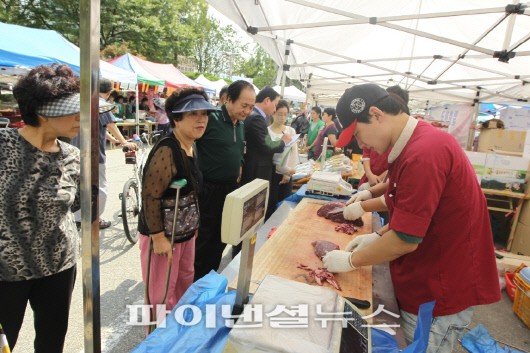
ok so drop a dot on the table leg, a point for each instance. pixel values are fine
(514, 226)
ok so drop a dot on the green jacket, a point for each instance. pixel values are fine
(221, 148)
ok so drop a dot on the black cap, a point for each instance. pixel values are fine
(354, 105)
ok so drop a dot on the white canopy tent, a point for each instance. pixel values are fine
(441, 51)
(215, 85)
(291, 93)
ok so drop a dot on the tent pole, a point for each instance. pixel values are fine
(137, 112)
(476, 111)
(509, 29)
(285, 66)
(89, 60)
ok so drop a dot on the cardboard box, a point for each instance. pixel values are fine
(505, 173)
(521, 240)
(502, 140)
(478, 161)
(502, 166)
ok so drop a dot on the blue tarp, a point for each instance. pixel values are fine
(197, 338)
(29, 47)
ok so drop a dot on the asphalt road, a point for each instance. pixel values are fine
(120, 280)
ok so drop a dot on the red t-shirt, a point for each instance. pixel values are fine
(378, 162)
(433, 194)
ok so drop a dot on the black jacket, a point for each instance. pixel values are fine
(260, 149)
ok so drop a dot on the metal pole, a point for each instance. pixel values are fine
(89, 59)
(471, 135)
(285, 66)
(245, 274)
(137, 115)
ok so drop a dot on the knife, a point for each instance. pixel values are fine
(361, 304)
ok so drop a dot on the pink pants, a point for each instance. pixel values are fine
(182, 272)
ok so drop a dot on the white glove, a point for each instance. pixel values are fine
(361, 241)
(353, 211)
(360, 196)
(338, 261)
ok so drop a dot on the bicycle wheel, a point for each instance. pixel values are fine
(130, 207)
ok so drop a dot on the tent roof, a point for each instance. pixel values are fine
(25, 48)
(215, 86)
(128, 62)
(154, 72)
(291, 93)
(442, 51)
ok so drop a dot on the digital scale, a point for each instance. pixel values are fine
(329, 184)
(346, 331)
(243, 211)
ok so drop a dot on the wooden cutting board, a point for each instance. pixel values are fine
(291, 244)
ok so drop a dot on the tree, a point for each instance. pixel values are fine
(160, 30)
(260, 67)
(216, 49)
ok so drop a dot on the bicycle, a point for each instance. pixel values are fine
(130, 197)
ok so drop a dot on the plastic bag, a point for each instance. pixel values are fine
(479, 340)
(383, 342)
(178, 338)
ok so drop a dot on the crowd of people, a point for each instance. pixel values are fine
(208, 152)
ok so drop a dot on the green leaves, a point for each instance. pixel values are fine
(165, 31)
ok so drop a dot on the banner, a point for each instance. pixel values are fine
(455, 119)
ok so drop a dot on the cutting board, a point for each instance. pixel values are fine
(290, 245)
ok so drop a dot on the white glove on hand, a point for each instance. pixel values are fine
(361, 241)
(353, 211)
(360, 196)
(338, 261)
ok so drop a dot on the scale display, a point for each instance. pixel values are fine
(244, 209)
(253, 211)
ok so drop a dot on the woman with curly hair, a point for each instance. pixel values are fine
(172, 158)
(39, 190)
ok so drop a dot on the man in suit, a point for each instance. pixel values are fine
(260, 147)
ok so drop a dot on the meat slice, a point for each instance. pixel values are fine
(330, 206)
(323, 246)
(333, 211)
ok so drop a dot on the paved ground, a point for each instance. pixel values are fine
(121, 284)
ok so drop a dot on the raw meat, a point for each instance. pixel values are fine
(323, 246)
(321, 274)
(347, 228)
(333, 211)
(330, 206)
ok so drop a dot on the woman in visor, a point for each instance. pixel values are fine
(39, 241)
(172, 158)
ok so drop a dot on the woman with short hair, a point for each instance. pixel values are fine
(39, 190)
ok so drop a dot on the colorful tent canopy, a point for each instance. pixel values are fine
(128, 62)
(25, 48)
(168, 74)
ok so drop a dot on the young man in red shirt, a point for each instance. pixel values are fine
(438, 241)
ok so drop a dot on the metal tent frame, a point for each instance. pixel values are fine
(442, 52)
